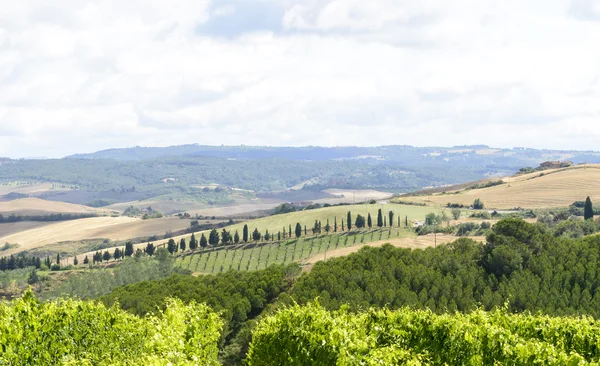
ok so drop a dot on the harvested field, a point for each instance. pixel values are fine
(37, 206)
(113, 228)
(547, 189)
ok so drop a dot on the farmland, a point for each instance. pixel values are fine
(112, 228)
(539, 190)
(36, 206)
(253, 256)
(277, 223)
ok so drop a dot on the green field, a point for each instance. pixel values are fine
(253, 256)
(307, 218)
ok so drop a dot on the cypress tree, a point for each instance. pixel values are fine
(588, 210)
(193, 242)
(343, 225)
(245, 234)
(298, 230)
(406, 221)
(236, 237)
(75, 261)
(379, 219)
(391, 215)
(86, 260)
(304, 230)
(203, 241)
(290, 231)
(129, 249)
(335, 224)
(106, 255)
(182, 244)
(171, 245)
(349, 220)
(57, 258)
(369, 221)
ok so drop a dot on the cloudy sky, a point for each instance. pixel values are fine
(79, 76)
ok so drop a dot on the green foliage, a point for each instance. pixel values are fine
(69, 332)
(588, 210)
(520, 263)
(478, 204)
(360, 221)
(236, 296)
(90, 284)
(456, 212)
(311, 335)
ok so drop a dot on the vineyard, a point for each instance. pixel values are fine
(73, 332)
(312, 335)
(254, 256)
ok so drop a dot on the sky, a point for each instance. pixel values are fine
(80, 76)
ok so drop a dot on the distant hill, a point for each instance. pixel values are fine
(541, 189)
(174, 173)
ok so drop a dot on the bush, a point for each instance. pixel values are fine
(73, 332)
(478, 204)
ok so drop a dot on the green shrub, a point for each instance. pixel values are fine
(73, 332)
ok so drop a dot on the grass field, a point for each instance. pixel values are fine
(113, 228)
(547, 189)
(253, 256)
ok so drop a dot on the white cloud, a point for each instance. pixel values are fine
(79, 76)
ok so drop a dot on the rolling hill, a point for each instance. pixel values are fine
(36, 206)
(546, 189)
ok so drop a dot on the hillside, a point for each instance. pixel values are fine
(112, 228)
(36, 206)
(547, 189)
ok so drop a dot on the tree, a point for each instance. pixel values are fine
(305, 230)
(33, 277)
(343, 225)
(193, 242)
(298, 230)
(256, 235)
(150, 249)
(335, 224)
(290, 231)
(327, 227)
(279, 236)
(171, 246)
(360, 221)
(445, 218)
(57, 258)
(86, 260)
(478, 204)
(391, 216)
(75, 261)
(406, 220)
(182, 244)
(203, 241)
(213, 237)
(128, 249)
(267, 236)
(369, 221)
(106, 256)
(245, 234)
(349, 220)
(225, 237)
(385, 221)
(379, 218)
(432, 219)
(236, 237)
(456, 213)
(588, 210)
(117, 253)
